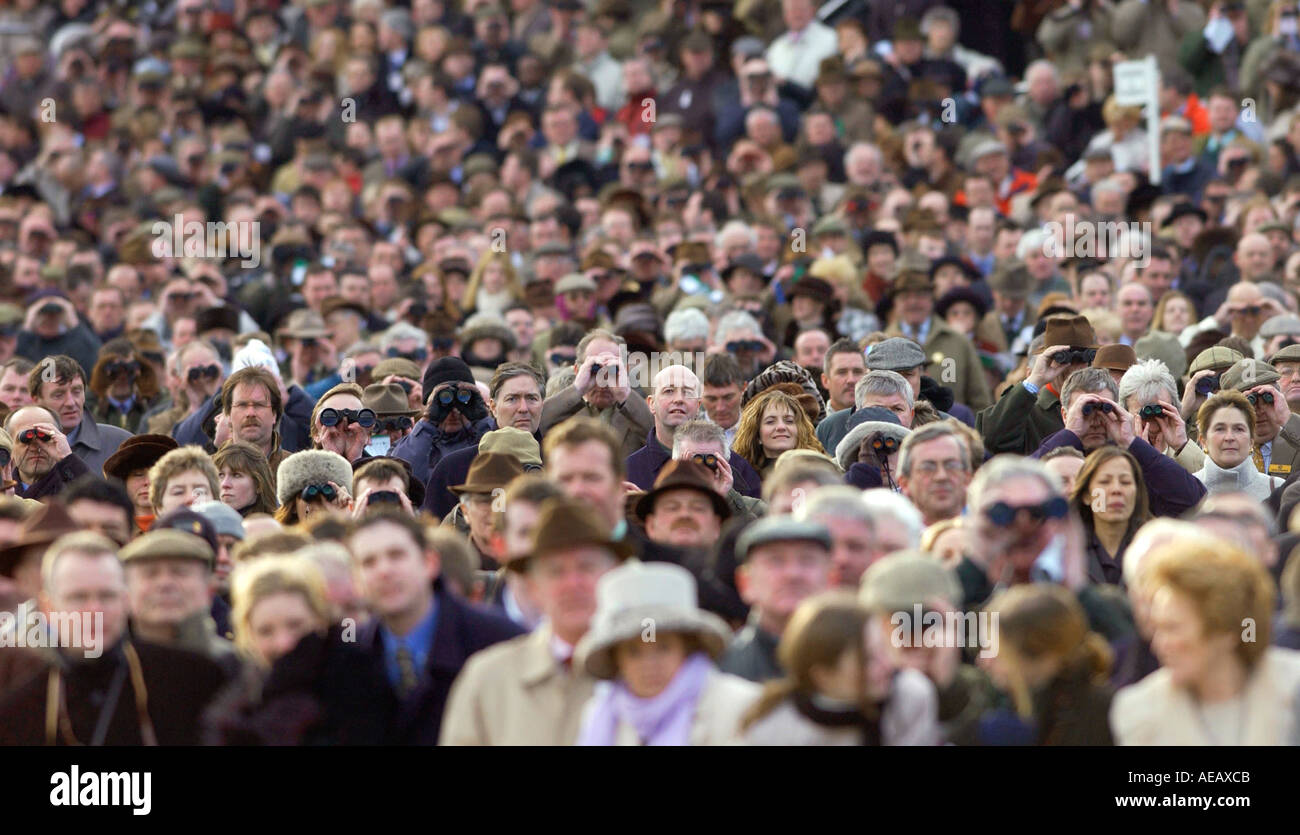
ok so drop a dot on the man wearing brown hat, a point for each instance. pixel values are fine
(953, 361)
(527, 691)
(393, 413)
(1031, 411)
(683, 509)
(1116, 359)
(480, 496)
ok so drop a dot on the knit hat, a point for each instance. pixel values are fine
(311, 466)
(446, 370)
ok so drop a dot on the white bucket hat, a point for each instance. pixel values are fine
(645, 599)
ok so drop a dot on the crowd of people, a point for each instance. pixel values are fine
(681, 373)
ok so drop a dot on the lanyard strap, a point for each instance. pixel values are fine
(58, 721)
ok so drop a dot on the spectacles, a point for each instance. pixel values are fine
(319, 492)
(199, 371)
(708, 459)
(1254, 398)
(749, 346)
(418, 355)
(1004, 515)
(463, 396)
(396, 424)
(1089, 408)
(117, 369)
(333, 417)
(35, 434)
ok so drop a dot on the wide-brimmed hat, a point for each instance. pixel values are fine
(491, 471)
(683, 475)
(1115, 357)
(46, 524)
(564, 523)
(817, 289)
(138, 452)
(1070, 331)
(958, 295)
(305, 324)
(387, 400)
(636, 594)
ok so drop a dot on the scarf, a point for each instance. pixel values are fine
(664, 719)
(838, 716)
(1243, 478)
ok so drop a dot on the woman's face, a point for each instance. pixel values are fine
(805, 309)
(1178, 315)
(238, 490)
(137, 487)
(961, 318)
(778, 430)
(843, 681)
(1113, 491)
(277, 623)
(647, 667)
(494, 277)
(1227, 438)
(184, 489)
(1179, 639)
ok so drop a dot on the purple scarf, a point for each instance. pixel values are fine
(663, 720)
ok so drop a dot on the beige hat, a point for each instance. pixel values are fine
(167, 543)
(903, 580)
(642, 600)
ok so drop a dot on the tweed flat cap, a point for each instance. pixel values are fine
(771, 529)
(895, 354)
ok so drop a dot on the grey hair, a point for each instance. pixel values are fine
(736, 320)
(1044, 65)
(863, 147)
(885, 507)
(733, 227)
(836, 502)
(687, 324)
(944, 13)
(1154, 534)
(883, 382)
(698, 431)
(560, 380)
(1145, 381)
(398, 332)
(1004, 468)
(925, 434)
(1089, 380)
(1108, 185)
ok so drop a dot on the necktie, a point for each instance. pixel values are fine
(406, 671)
(1259, 460)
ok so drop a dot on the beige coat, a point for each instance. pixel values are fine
(1155, 711)
(515, 693)
(717, 716)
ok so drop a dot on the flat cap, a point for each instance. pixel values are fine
(399, 366)
(780, 529)
(1287, 324)
(224, 518)
(895, 354)
(1245, 374)
(1290, 353)
(167, 543)
(1217, 357)
(986, 148)
(573, 282)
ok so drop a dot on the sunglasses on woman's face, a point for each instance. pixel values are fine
(199, 372)
(319, 493)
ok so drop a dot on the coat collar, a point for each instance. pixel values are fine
(538, 664)
(88, 432)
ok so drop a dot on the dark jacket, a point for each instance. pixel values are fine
(96, 442)
(1019, 421)
(643, 468)
(106, 413)
(462, 630)
(1104, 567)
(178, 685)
(450, 471)
(1171, 490)
(714, 594)
(80, 343)
(426, 446)
(295, 423)
(752, 654)
(1068, 710)
(833, 428)
(52, 483)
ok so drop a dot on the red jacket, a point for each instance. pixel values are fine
(638, 117)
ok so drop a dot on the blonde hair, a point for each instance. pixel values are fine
(176, 462)
(513, 285)
(253, 582)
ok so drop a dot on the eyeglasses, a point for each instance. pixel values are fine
(319, 492)
(1004, 515)
(333, 417)
(35, 434)
(749, 346)
(418, 355)
(463, 396)
(1074, 356)
(181, 298)
(1151, 411)
(708, 459)
(1089, 408)
(1254, 398)
(117, 369)
(396, 424)
(200, 371)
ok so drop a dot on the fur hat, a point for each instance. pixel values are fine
(311, 466)
(786, 371)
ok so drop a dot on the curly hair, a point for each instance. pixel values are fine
(176, 462)
(747, 443)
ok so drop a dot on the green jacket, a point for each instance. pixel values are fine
(1019, 421)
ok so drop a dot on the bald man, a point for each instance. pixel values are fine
(676, 399)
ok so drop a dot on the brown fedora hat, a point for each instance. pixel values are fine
(39, 530)
(1070, 331)
(564, 523)
(138, 452)
(388, 400)
(490, 471)
(683, 475)
(1115, 357)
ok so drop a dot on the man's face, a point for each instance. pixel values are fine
(563, 585)
(1254, 257)
(676, 398)
(915, 307)
(518, 403)
(101, 517)
(164, 592)
(106, 310)
(845, 371)
(393, 573)
(13, 389)
(90, 583)
(602, 396)
(810, 349)
(1024, 539)
(853, 549)
(66, 398)
(1158, 277)
(1245, 310)
(585, 472)
(722, 404)
(1290, 382)
(1135, 309)
(477, 509)
(1094, 291)
(939, 473)
(684, 518)
(1096, 434)
(251, 417)
(521, 323)
(778, 576)
(894, 403)
(347, 439)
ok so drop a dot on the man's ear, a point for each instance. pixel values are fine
(650, 402)
(826, 381)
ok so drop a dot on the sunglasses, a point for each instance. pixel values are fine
(1267, 397)
(750, 346)
(117, 369)
(418, 355)
(200, 371)
(396, 424)
(559, 359)
(462, 396)
(333, 417)
(319, 492)
(1089, 408)
(1004, 515)
(35, 434)
(708, 459)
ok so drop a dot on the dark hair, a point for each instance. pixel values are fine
(509, 370)
(65, 368)
(580, 430)
(1082, 496)
(243, 457)
(843, 345)
(405, 521)
(250, 375)
(381, 469)
(91, 488)
(121, 348)
(723, 370)
(567, 335)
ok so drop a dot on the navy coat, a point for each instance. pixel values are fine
(643, 468)
(1172, 491)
